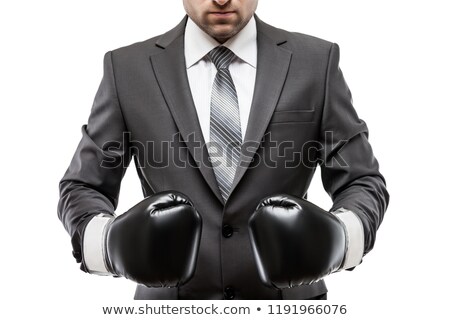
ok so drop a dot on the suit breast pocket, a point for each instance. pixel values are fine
(292, 116)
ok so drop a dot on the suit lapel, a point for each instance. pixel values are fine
(272, 67)
(170, 70)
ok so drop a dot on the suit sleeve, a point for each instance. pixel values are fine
(350, 171)
(91, 184)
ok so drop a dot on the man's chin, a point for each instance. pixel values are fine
(223, 32)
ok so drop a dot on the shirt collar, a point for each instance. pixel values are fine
(198, 43)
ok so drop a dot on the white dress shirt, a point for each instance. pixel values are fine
(201, 73)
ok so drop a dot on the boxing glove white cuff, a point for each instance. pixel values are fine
(94, 244)
(355, 237)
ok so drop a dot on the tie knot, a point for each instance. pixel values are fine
(221, 57)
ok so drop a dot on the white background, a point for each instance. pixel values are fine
(395, 57)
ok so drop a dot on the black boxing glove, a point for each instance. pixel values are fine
(295, 242)
(156, 242)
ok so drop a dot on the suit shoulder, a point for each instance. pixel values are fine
(312, 42)
(300, 41)
(151, 46)
(136, 50)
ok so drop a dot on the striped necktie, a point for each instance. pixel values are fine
(225, 124)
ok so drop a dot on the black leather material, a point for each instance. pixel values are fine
(295, 242)
(156, 242)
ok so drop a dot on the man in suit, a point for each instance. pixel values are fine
(168, 102)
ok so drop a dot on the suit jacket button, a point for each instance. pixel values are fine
(227, 231)
(228, 293)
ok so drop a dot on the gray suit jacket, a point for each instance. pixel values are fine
(301, 116)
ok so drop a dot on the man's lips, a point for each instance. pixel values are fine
(222, 13)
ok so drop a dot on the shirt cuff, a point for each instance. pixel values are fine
(355, 237)
(94, 244)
